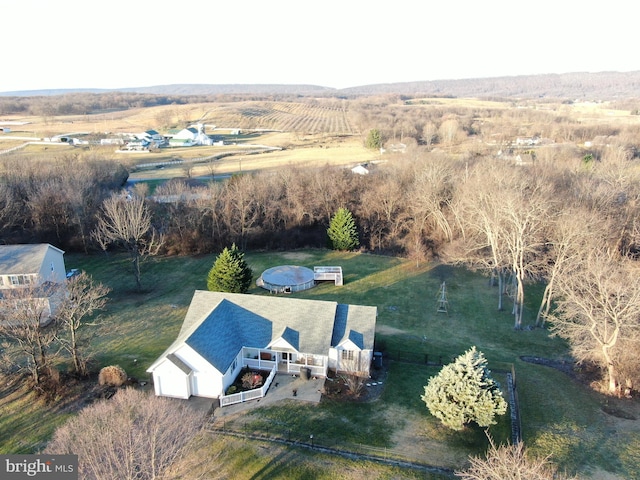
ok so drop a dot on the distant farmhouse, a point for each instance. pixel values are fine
(186, 137)
(190, 136)
(39, 268)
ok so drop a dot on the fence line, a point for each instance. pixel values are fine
(281, 434)
(514, 405)
(389, 457)
(509, 370)
(240, 397)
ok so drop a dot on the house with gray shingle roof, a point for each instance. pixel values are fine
(37, 269)
(224, 332)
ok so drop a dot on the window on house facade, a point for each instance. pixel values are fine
(347, 354)
(20, 279)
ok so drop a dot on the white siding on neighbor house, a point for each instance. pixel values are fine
(170, 381)
(186, 134)
(52, 268)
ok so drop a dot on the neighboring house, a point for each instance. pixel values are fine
(39, 267)
(360, 170)
(138, 145)
(181, 142)
(190, 136)
(151, 137)
(223, 332)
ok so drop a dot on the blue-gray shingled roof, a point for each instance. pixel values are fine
(226, 330)
(217, 325)
(354, 322)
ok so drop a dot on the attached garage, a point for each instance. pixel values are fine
(172, 378)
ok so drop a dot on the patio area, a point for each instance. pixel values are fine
(282, 387)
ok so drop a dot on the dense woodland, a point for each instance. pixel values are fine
(557, 212)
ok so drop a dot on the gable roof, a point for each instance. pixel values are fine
(292, 337)
(217, 325)
(23, 259)
(353, 322)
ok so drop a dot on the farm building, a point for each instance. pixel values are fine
(190, 136)
(151, 137)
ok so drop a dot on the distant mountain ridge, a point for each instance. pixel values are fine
(578, 85)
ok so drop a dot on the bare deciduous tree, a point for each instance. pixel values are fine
(505, 215)
(74, 317)
(509, 462)
(382, 210)
(429, 133)
(126, 221)
(431, 196)
(449, 130)
(353, 369)
(241, 212)
(568, 239)
(27, 329)
(598, 308)
(478, 210)
(525, 209)
(134, 435)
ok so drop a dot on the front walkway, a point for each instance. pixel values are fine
(282, 387)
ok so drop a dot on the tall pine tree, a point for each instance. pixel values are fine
(230, 272)
(342, 231)
(374, 139)
(464, 392)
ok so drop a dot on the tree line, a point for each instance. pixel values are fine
(559, 216)
(85, 103)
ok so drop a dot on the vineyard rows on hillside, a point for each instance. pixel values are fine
(287, 116)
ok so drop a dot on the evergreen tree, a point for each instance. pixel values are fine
(230, 273)
(464, 392)
(342, 231)
(374, 139)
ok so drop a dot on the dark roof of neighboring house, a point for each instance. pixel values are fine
(23, 259)
(217, 325)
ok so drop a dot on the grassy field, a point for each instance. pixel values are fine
(560, 416)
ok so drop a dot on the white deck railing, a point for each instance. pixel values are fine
(328, 273)
(316, 371)
(240, 397)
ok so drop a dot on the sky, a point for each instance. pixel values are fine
(136, 43)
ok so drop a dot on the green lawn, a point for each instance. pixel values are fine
(559, 416)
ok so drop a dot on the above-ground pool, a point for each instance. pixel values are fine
(286, 279)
